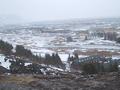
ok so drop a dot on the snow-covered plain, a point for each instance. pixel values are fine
(51, 38)
(42, 45)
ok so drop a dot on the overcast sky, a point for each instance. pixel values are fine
(39, 10)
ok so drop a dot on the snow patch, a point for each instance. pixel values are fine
(6, 64)
(119, 66)
(116, 57)
(64, 57)
(26, 64)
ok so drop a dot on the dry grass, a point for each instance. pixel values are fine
(18, 79)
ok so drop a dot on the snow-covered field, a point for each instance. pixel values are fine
(51, 38)
(42, 45)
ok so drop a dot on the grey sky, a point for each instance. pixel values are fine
(39, 10)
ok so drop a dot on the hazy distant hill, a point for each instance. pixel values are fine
(10, 19)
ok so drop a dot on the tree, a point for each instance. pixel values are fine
(118, 40)
(89, 68)
(58, 60)
(76, 56)
(17, 66)
(69, 39)
(53, 59)
(34, 69)
(114, 67)
(86, 38)
(21, 51)
(48, 59)
(69, 59)
(5, 47)
(110, 36)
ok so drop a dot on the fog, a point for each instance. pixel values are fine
(40, 10)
